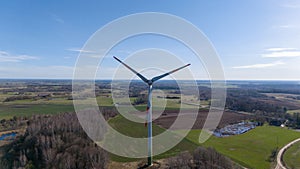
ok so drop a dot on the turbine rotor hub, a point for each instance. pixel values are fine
(150, 82)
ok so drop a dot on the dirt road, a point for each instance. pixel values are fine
(281, 152)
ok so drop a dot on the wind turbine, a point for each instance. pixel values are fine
(149, 103)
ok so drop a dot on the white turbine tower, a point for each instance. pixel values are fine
(149, 103)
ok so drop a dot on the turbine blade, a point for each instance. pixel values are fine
(135, 72)
(166, 74)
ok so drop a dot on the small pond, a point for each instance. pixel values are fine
(8, 136)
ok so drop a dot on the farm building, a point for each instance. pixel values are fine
(235, 129)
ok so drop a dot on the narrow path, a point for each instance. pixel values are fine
(281, 152)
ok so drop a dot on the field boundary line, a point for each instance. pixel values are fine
(279, 158)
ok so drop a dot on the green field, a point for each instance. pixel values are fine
(291, 156)
(42, 106)
(29, 107)
(157, 102)
(61, 103)
(293, 111)
(130, 128)
(251, 149)
(8, 111)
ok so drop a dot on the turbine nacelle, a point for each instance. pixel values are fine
(149, 82)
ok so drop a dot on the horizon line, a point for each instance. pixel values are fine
(162, 80)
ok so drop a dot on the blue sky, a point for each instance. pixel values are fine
(255, 39)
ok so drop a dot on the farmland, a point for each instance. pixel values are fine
(8, 111)
(132, 129)
(268, 103)
(293, 111)
(253, 148)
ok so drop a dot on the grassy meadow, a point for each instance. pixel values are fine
(133, 129)
(251, 149)
(293, 111)
(29, 107)
(291, 156)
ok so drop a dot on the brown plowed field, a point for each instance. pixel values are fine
(170, 116)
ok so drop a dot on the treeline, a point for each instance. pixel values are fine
(250, 100)
(14, 98)
(54, 142)
(13, 123)
(143, 98)
(201, 158)
(39, 88)
(287, 88)
(108, 112)
(293, 120)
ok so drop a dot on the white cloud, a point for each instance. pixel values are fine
(123, 52)
(86, 53)
(118, 51)
(80, 50)
(294, 6)
(279, 49)
(99, 53)
(26, 71)
(7, 57)
(264, 65)
(3, 53)
(57, 19)
(287, 26)
(281, 53)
